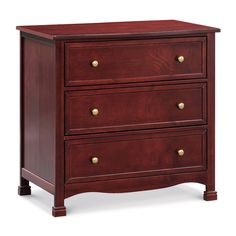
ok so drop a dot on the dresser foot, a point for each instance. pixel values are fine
(24, 190)
(24, 187)
(58, 211)
(210, 195)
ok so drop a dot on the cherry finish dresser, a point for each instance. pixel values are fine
(116, 107)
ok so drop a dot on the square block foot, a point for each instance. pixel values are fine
(24, 190)
(210, 195)
(58, 211)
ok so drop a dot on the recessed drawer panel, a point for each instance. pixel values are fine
(134, 108)
(134, 61)
(140, 154)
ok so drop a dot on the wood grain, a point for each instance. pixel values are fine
(117, 30)
(135, 60)
(134, 108)
(59, 209)
(135, 184)
(24, 187)
(210, 193)
(135, 155)
(39, 109)
(136, 89)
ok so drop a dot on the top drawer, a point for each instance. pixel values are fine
(134, 61)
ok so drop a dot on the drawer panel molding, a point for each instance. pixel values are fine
(135, 108)
(135, 155)
(134, 61)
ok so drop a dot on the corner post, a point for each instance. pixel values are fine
(210, 193)
(59, 195)
(24, 187)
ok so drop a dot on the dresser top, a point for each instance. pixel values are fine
(133, 29)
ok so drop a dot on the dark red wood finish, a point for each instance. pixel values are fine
(135, 108)
(135, 155)
(133, 61)
(210, 193)
(59, 195)
(49, 187)
(39, 108)
(136, 183)
(136, 88)
(117, 30)
(42, 129)
(23, 188)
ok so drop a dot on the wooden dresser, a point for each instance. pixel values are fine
(116, 107)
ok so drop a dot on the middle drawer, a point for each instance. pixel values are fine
(134, 108)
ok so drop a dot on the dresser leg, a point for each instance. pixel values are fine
(59, 211)
(210, 195)
(24, 187)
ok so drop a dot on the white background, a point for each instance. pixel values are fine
(179, 210)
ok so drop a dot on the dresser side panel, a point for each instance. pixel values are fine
(39, 108)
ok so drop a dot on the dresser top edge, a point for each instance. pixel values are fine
(116, 29)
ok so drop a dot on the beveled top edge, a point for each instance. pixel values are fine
(116, 29)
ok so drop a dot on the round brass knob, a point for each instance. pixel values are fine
(95, 112)
(180, 59)
(94, 160)
(181, 105)
(180, 152)
(94, 63)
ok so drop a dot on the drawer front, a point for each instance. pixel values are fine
(135, 108)
(134, 61)
(135, 155)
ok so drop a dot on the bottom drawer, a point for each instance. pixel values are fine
(135, 154)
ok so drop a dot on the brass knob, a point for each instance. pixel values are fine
(181, 105)
(180, 59)
(180, 152)
(95, 112)
(94, 160)
(94, 63)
